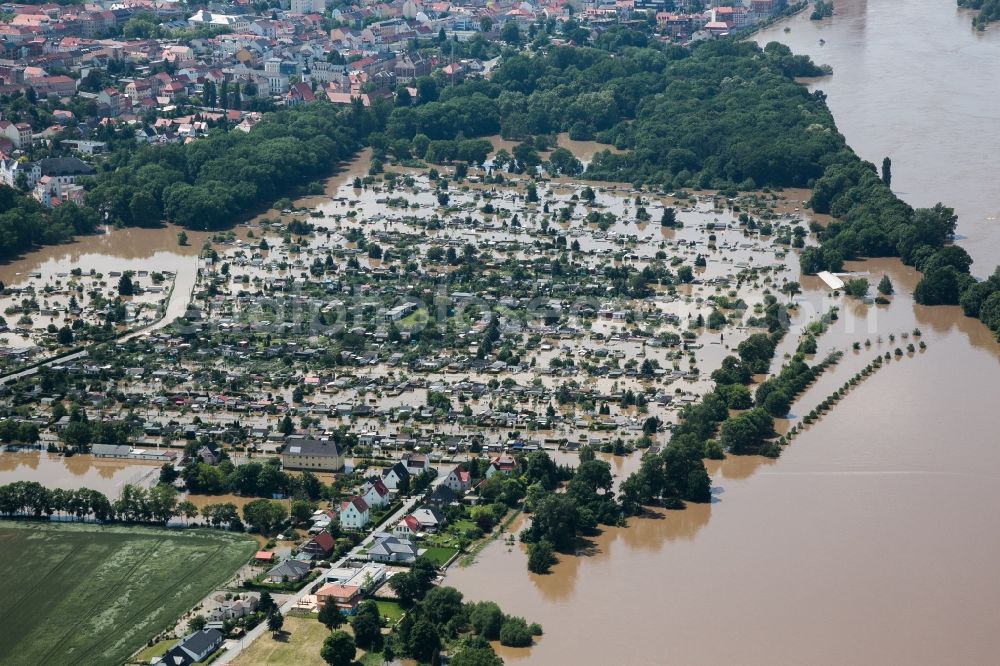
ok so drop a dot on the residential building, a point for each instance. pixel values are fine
(408, 527)
(345, 597)
(375, 492)
(353, 513)
(312, 454)
(289, 571)
(503, 464)
(308, 6)
(320, 545)
(192, 649)
(390, 548)
(459, 480)
(429, 518)
(18, 133)
(394, 475)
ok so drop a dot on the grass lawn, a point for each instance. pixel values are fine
(155, 650)
(87, 594)
(390, 609)
(440, 555)
(299, 645)
(460, 526)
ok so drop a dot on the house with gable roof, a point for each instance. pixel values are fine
(392, 476)
(192, 649)
(353, 513)
(375, 493)
(458, 479)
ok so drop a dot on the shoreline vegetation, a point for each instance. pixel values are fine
(821, 9)
(988, 11)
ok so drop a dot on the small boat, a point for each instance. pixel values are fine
(822, 42)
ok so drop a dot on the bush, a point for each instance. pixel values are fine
(541, 557)
(515, 633)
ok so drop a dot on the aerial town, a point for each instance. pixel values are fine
(338, 333)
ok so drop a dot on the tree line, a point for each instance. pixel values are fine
(135, 504)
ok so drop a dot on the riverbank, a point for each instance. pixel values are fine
(871, 539)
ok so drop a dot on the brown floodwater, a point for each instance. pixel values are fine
(874, 538)
(120, 250)
(913, 81)
(82, 471)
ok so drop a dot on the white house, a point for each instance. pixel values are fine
(459, 480)
(353, 513)
(416, 463)
(375, 493)
(238, 24)
(408, 527)
(392, 476)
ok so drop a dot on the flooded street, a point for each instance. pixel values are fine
(873, 539)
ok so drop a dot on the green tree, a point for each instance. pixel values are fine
(515, 633)
(275, 621)
(442, 604)
(510, 33)
(338, 649)
(486, 619)
(885, 285)
(367, 624)
(541, 557)
(264, 515)
(330, 616)
(125, 286)
(858, 288)
(473, 652)
(555, 520)
(301, 511)
(424, 640)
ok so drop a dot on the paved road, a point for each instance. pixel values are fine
(236, 647)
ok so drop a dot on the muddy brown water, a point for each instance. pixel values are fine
(82, 471)
(913, 80)
(874, 538)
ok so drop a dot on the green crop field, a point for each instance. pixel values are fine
(85, 594)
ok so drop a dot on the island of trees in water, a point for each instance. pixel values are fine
(724, 114)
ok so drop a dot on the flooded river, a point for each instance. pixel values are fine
(914, 81)
(873, 539)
